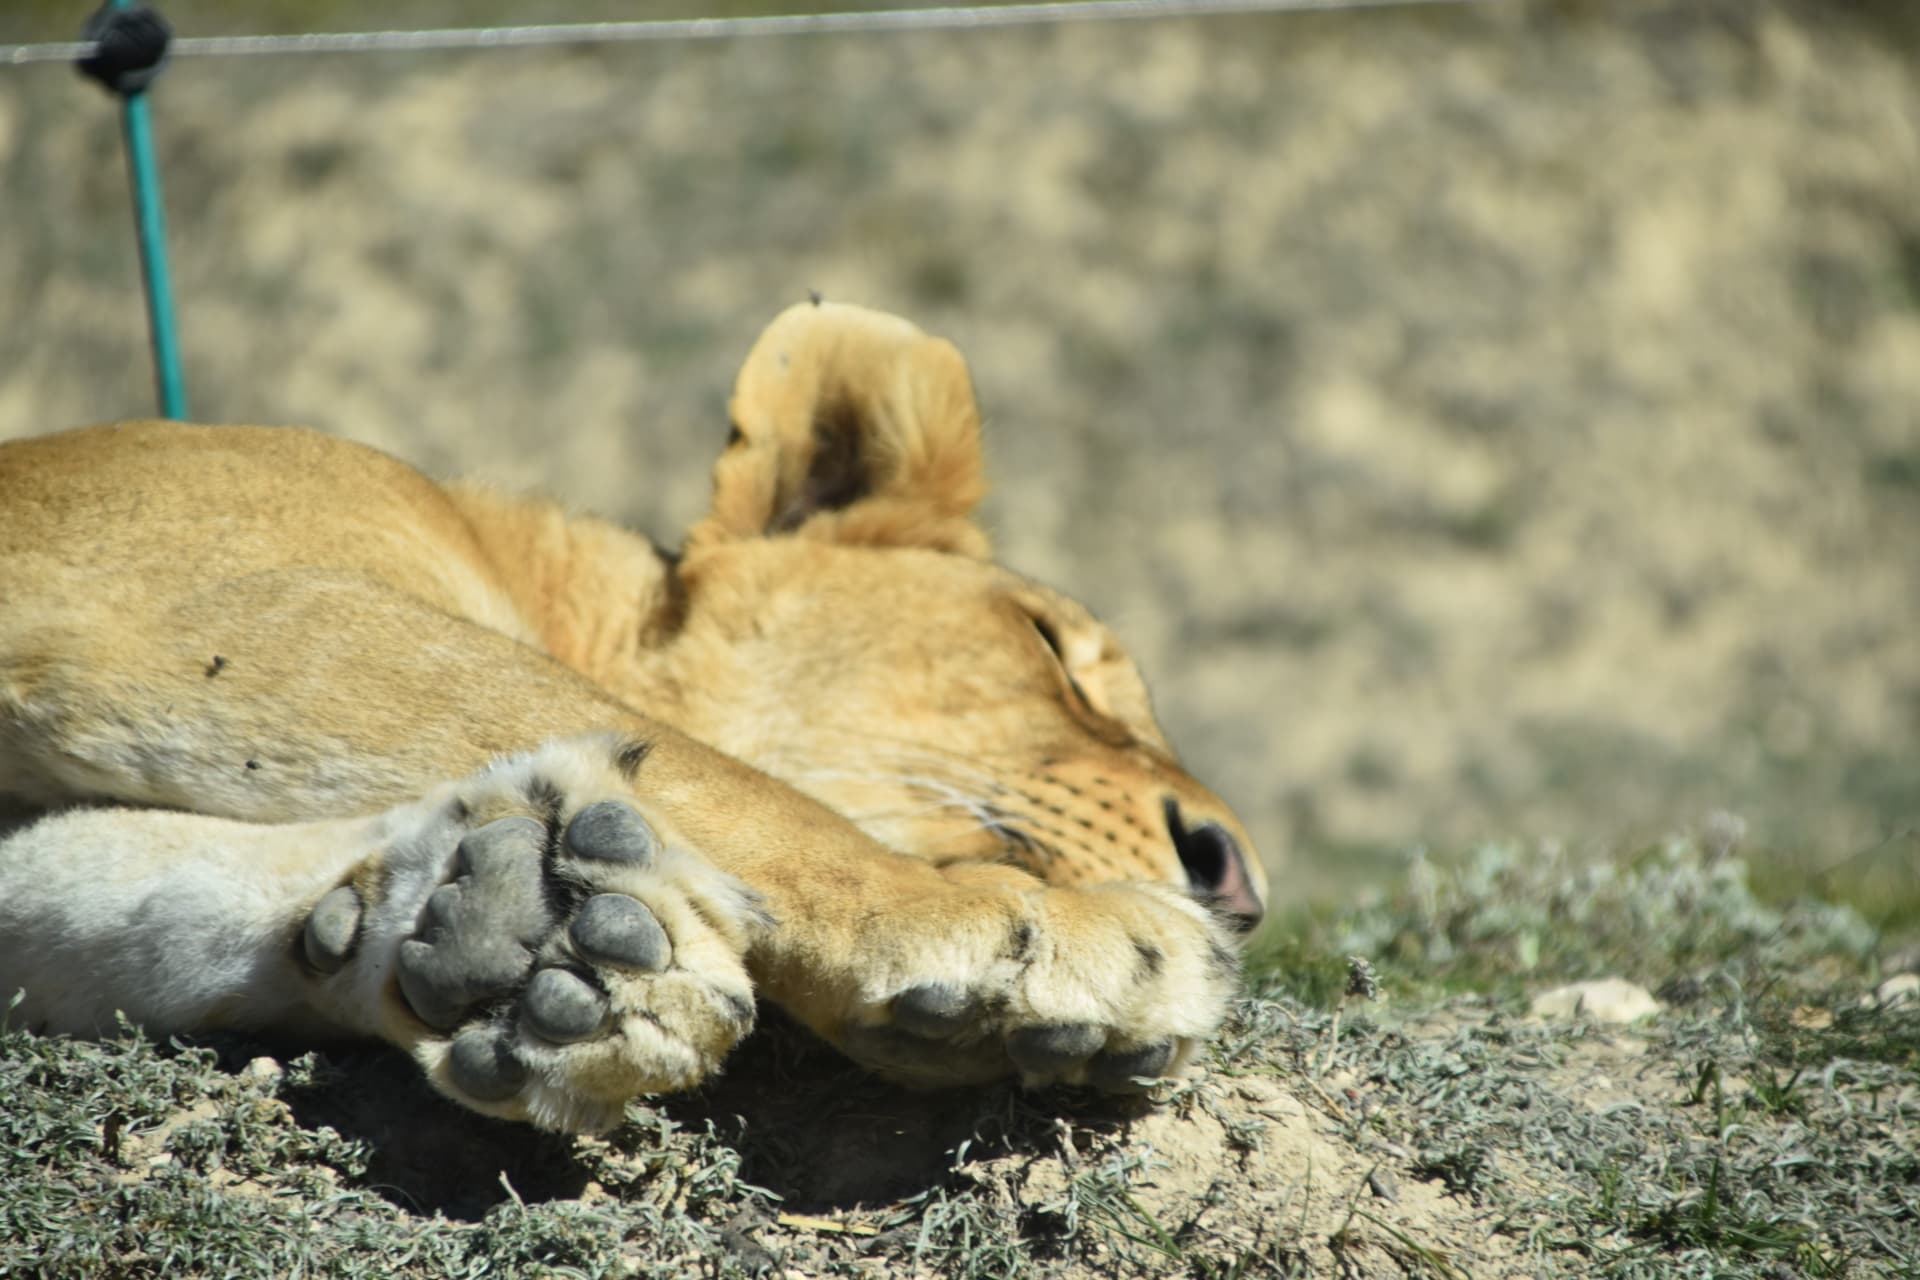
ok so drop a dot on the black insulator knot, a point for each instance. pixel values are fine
(130, 44)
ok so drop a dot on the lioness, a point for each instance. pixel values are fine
(828, 756)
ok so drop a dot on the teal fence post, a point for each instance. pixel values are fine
(131, 43)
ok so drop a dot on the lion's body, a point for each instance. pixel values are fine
(263, 647)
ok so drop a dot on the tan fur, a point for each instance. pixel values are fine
(845, 708)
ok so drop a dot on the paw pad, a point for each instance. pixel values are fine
(609, 831)
(934, 1011)
(1122, 1070)
(483, 1065)
(615, 929)
(331, 930)
(563, 1008)
(556, 990)
(480, 929)
(1054, 1049)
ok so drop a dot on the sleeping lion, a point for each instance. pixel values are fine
(293, 738)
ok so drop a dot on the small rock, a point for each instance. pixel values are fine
(1612, 1000)
(1901, 988)
(1811, 1017)
(1903, 960)
(1267, 1099)
(748, 1254)
(1384, 1185)
(263, 1071)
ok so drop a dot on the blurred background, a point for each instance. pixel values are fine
(1498, 422)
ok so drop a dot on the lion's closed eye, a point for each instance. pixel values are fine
(1050, 635)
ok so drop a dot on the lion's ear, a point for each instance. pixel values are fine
(852, 426)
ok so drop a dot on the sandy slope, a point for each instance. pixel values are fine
(1480, 423)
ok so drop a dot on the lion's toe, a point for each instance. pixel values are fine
(1113, 989)
(1130, 1070)
(484, 1063)
(609, 831)
(331, 929)
(1053, 1051)
(613, 929)
(561, 1007)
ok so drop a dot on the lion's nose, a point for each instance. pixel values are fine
(1216, 867)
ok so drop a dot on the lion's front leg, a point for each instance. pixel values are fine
(984, 972)
(954, 974)
(544, 940)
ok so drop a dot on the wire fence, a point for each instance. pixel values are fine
(878, 21)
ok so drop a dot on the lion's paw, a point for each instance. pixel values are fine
(562, 961)
(1114, 987)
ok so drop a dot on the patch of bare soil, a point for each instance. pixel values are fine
(1247, 1168)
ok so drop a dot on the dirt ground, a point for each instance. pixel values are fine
(1496, 422)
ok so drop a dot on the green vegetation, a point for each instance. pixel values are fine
(1505, 919)
(1761, 1126)
(1763, 1131)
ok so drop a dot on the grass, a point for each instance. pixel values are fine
(1767, 1131)
(1503, 919)
(1761, 1127)
(129, 1159)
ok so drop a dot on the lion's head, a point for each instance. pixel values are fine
(842, 628)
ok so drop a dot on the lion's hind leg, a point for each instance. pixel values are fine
(563, 956)
(541, 949)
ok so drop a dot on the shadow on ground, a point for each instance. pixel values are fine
(424, 1154)
(824, 1136)
(806, 1126)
